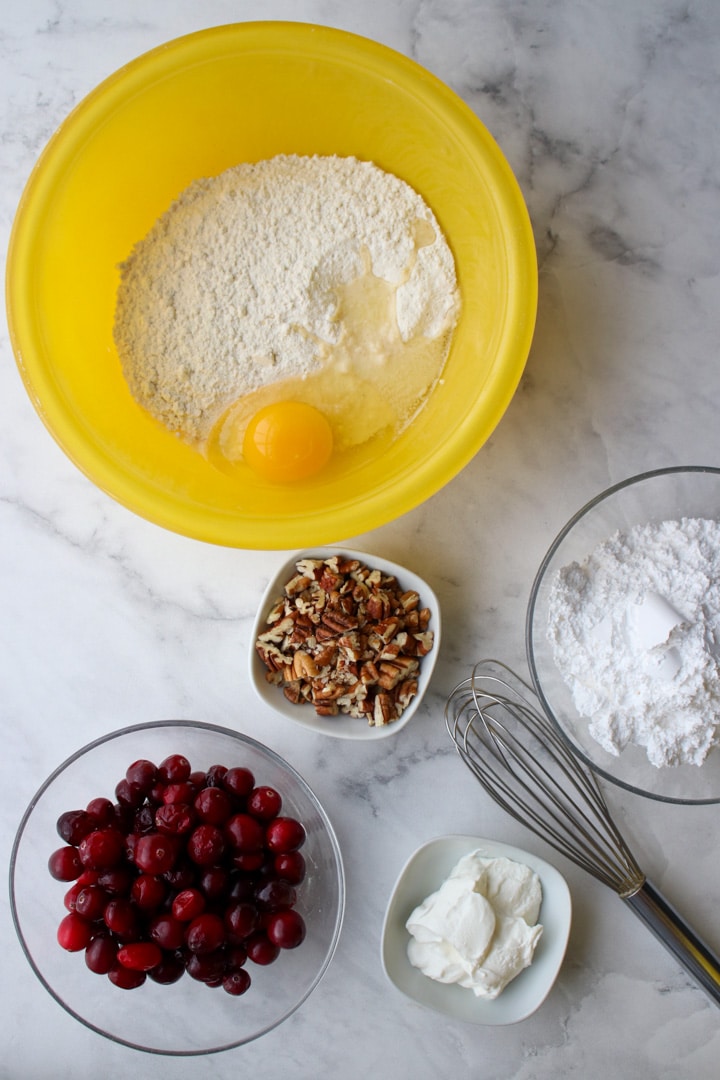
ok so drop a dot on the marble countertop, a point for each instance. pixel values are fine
(608, 115)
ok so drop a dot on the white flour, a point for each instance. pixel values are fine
(236, 286)
(635, 632)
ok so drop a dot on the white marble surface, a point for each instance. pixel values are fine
(608, 114)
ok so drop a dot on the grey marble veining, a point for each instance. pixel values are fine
(607, 113)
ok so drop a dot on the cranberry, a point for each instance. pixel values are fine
(155, 853)
(264, 803)
(245, 833)
(169, 970)
(242, 886)
(205, 934)
(182, 875)
(215, 776)
(74, 933)
(236, 983)
(121, 917)
(102, 849)
(235, 957)
(71, 895)
(286, 929)
(206, 845)
(178, 793)
(239, 781)
(213, 805)
(140, 955)
(284, 834)
(64, 864)
(142, 774)
(215, 882)
(276, 894)
(207, 967)
(156, 793)
(128, 794)
(249, 861)
(176, 819)
(102, 812)
(130, 844)
(144, 819)
(148, 892)
(197, 778)
(260, 949)
(290, 865)
(187, 904)
(174, 769)
(240, 919)
(167, 932)
(126, 978)
(101, 954)
(91, 902)
(117, 881)
(90, 877)
(122, 817)
(73, 825)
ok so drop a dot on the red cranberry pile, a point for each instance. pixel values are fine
(185, 872)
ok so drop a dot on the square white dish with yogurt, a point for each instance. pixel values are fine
(422, 875)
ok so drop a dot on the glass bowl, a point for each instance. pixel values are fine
(192, 108)
(656, 496)
(423, 874)
(342, 726)
(187, 1017)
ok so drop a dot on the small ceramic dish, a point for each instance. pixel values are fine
(422, 875)
(341, 726)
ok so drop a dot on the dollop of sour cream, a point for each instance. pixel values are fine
(480, 928)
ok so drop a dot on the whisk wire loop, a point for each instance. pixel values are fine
(523, 763)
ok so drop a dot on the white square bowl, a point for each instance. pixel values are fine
(342, 726)
(422, 875)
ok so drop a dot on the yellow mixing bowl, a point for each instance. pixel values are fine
(197, 106)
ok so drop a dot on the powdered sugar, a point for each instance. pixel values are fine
(635, 633)
(236, 286)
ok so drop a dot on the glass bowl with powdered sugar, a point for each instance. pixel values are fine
(623, 634)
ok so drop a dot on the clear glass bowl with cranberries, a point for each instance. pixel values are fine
(177, 887)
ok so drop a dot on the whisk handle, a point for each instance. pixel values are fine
(687, 948)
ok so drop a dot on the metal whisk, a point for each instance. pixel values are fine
(526, 766)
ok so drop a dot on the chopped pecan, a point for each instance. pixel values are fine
(388, 628)
(325, 656)
(327, 709)
(409, 600)
(291, 690)
(304, 666)
(384, 711)
(424, 642)
(405, 692)
(350, 645)
(369, 673)
(378, 606)
(329, 691)
(297, 584)
(279, 630)
(346, 638)
(339, 621)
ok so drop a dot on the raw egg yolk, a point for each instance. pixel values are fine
(287, 441)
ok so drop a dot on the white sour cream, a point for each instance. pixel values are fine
(480, 928)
